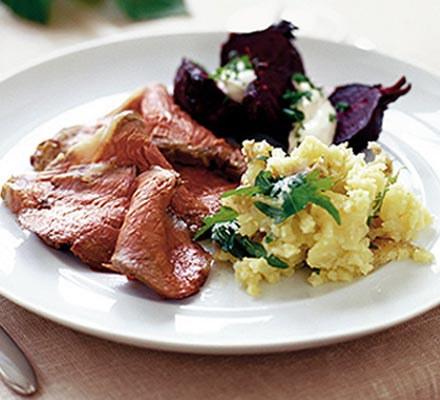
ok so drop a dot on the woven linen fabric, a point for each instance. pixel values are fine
(400, 363)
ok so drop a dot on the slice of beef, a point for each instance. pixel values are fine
(183, 140)
(126, 139)
(204, 185)
(81, 208)
(176, 134)
(154, 245)
(125, 142)
(48, 150)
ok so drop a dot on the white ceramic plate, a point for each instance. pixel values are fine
(86, 83)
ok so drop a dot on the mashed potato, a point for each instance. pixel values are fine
(378, 217)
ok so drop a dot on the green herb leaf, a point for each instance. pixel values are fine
(225, 214)
(274, 261)
(33, 10)
(296, 96)
(230, 70)
(296, 192)
(319, 184)
(242, 191)
(266, 181)
(264, 184)
(342, 106)
(378, 201)
(393, 178)
(293, 193)
(265, 158)
(269, 238)
(332, 117)
(149, 9)
(240, 246)
(224, 234)
(275, 213)
(300, 78)
(294, 114)
(324, 202)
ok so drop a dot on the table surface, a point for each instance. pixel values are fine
(402, 362)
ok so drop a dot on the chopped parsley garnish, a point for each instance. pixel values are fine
(378, 201)
(294, 114)
(288, 194)
(332, 117)
(301, 78)
(269, 238)
(295, 193)
(291, 194)
(265, 158)
(377, 204)
(243, 191)
(240, 246)
(231, 70)
(225, 214)
(224, 232)
(264, 184)
(342, 106)
(295, 96)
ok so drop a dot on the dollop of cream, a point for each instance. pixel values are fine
(319, 117)
(233, 82)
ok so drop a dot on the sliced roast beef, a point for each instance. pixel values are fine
(80, 198)
(124, 142)
(48, 150)
(81, 208)
(204, 185)
(177, 135)
(183, 140)
(154, 244)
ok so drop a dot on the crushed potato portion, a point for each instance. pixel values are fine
(367, 237)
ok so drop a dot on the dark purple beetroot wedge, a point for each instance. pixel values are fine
(272, 47)
(199, 95)
(264, 111)
(275, 60)
(360, 110)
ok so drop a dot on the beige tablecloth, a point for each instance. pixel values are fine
(400, 363)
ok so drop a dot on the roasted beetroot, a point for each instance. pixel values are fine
(274, 60)
(360, 110)
(258, 111)
(199, 95)
(271, 47)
